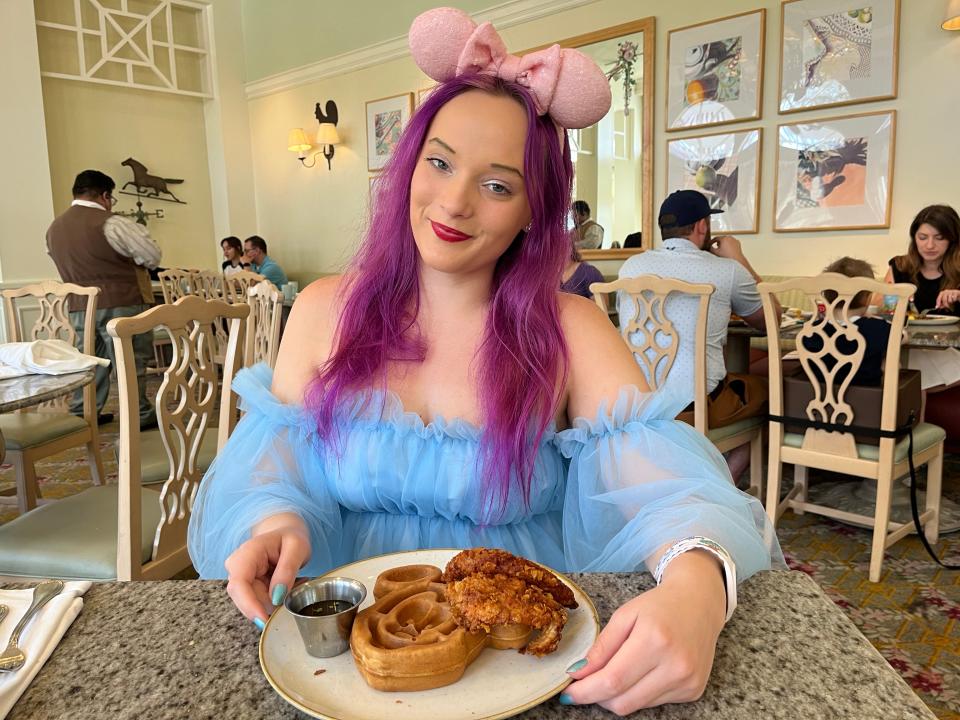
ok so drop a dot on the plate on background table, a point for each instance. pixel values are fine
(934, 320)
(498, 684)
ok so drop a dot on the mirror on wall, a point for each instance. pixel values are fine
(613, 160)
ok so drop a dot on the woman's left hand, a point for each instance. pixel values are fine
(657, 648)
(947, 298)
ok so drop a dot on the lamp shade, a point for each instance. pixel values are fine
(951, 20)
(297, 140)
(327, 134)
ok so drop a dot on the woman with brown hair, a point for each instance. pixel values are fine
(932, 262)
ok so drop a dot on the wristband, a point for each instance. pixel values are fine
(715, 549)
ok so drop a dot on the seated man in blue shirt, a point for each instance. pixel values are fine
(255, 249)
(690, 253)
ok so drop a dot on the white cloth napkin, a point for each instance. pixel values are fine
(937, 367)
(43, 357)
(39, 637)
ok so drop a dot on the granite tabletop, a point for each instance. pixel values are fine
(28, 390)
(178, 649)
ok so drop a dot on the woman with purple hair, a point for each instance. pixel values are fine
(444, 393)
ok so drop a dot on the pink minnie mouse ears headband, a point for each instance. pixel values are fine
(566, 84)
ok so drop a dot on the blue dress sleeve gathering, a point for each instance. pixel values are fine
(639, 480)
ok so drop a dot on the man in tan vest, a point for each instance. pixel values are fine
(93, 247)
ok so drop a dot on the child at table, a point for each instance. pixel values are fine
(875, 330)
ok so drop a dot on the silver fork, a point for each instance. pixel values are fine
(13, 657)
(919, 313)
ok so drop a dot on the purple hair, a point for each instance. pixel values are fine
(522, 356)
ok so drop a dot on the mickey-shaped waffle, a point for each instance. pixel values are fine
(422, 633)
(408, 639)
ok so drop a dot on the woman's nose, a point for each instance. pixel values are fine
(457, 198)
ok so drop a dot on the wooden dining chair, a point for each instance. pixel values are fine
(49, 428)
(263, 324)
(176, 283)
(236, 285)
(835, 450)
(210, 285)
(654, 341)
(71, 538)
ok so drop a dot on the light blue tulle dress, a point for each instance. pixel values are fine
(605, 493)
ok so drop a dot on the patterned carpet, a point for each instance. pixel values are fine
(912, 617)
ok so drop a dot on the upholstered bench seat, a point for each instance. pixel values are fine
(715, 435)
(74, 538)
(154, 466)
(28, 430)
(925, 435)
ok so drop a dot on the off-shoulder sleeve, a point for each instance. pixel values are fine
(271, 464)
(638, 480)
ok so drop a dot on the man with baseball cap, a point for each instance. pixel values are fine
(690, 253)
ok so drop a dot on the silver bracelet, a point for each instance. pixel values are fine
(715, 549)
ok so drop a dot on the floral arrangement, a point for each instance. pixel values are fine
(626, 57)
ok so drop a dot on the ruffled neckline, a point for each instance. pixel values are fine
(384, 409)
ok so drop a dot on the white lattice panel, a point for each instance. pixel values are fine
(160, 45)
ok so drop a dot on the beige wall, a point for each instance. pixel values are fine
(313, 218)
(26, 202)
(98, 126)
(51, 128)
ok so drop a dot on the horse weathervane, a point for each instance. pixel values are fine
(143, 182)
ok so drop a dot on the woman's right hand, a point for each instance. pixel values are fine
(260, 571)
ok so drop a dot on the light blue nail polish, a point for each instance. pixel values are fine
(279, 593)
(259, 623)
(578, 665)
(567, 700)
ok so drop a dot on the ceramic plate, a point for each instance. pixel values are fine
(498, 684)
(934, 320)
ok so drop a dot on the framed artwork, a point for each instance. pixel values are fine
(422, 94)
(835, 174)
(837, 53)
(386, 119)
(715, 71)
(726, 168)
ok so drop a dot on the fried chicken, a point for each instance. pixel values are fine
(480, 601)
(488, 561)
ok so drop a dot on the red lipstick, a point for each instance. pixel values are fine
(448, 234)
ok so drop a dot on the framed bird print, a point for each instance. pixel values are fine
(836, 173)
(715, 71)
(725, 167)
(837, 53)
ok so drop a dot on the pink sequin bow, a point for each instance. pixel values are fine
(446, 42)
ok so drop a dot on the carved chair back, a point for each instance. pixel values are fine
(263, 324)
(53, 324)
(186, 404)
(237, 284)
(831, 349)
(653, 338)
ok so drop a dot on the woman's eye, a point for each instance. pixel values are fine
(438, 163)
(498, 188)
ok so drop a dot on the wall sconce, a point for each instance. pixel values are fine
(951, 20)
(327, 136)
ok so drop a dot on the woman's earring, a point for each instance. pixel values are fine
(528, 226)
